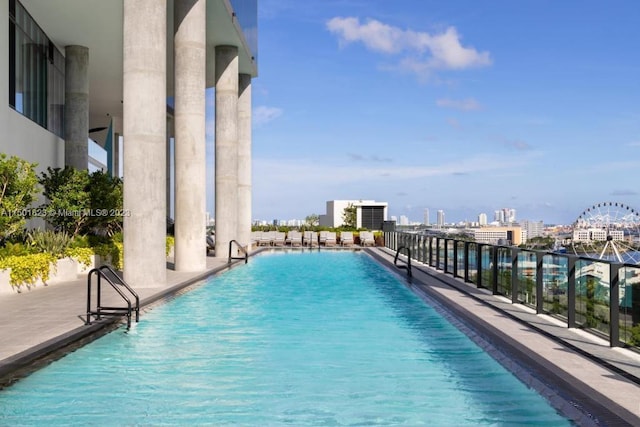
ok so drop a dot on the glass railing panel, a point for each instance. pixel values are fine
(555, 273)
(247, 14)
(485, 267)
(461, 260)
(473, 263)
(629, 300)
(450, 257)
(527, 278)
(440, 243)
(504, 271)
(592, 295)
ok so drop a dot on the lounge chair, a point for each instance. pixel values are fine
(367, 239)
(255, 238)
(279, 238)
(322, 238)
(267, 238)
(294, 238)
(346, 238)
(310, 238)
(211, 244)
(331, 239)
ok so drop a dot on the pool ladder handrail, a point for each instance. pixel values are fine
(241, 248)
(111, 277)
(408, 262)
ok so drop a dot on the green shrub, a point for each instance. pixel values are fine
(80, 241)
(113, 250)
(171, 242)
(82, 255)
(15, 249)
(18, 189)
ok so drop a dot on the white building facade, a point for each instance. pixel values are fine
(369, 213)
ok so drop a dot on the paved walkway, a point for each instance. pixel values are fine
(557, 361)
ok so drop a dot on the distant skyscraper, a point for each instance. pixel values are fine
(404, 220)
(482, 219)
(441, 218)
(426, 217)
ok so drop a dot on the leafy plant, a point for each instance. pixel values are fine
(349, 217)
(105, 200)
(82, 203)
(15, 249)
(80, 254)
(171, 242)
(48, 241)
(312, 220)
(27, 269)
(69, 203)
(112, 250)
(18, 189)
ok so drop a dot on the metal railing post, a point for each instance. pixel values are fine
(445, 262)
(539, 282)
(466, 261)
(571, 292)
(614, 305)
(494, 269)
(479, 266)
(455, 258)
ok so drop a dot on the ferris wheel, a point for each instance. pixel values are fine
(608, 231)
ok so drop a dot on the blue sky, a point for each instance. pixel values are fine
(465, 106)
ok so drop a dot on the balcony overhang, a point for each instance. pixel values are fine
(97, 24)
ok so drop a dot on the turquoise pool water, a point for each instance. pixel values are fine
(296, 339)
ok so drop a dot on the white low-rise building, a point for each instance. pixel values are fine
(369, 213)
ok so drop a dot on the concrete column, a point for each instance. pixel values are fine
(226, 185)
(190, 165)
(76, 107)
(144, 128)
(244, 160)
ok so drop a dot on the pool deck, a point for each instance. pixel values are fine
(571, 367)
(543, 352)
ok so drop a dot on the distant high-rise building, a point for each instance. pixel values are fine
(533, 228)
(426, 217)
(482, 219)
(440, 218)
(404, 220)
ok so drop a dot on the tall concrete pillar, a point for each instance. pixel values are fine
(190, 165)
(226, 185)
(244, 160)
(76, 107)
(144, 128)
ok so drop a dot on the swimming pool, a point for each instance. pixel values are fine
(327, 338)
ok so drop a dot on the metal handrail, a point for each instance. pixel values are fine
(406, 267)
(116, 282)
(241, 249)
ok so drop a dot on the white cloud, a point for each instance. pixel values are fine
(264, 114)
(468, 104)
(423, 53)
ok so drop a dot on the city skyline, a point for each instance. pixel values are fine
(458, 106)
